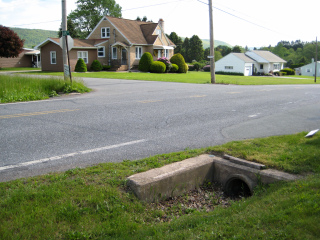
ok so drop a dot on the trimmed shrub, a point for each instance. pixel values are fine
(174, 68)
(288, 71)
(166, 62)
(96, 66)
(106, 67)
(179, 60)
(229, 73)
(191, 67)
(157, 67)
(206, 68)
(80, 66)
(145, 62)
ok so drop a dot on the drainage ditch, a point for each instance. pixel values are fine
(203, 199)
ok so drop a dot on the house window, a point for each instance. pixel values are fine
(166, 53)
(159, 32)
(308, 70)
(138, 52)
(105, 32)
(101, 51)
(53, 57)
(276, 66)
(228, 67)
(159, 53)
(114, 53)
(261, 66)
(83, 55)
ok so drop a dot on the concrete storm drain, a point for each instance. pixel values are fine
(237, 176)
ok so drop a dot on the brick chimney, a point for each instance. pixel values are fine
(161, 23)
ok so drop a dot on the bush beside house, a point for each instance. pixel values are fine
(174, 68)
(80, 66)
(96, 66)
(288, 71)
(179, 60)
(145, 62)
(157, 67)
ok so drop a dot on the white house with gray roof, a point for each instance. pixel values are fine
(256, 61)
(309, 69)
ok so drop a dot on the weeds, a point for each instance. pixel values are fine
(16, 88)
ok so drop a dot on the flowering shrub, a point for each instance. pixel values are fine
(167, 62)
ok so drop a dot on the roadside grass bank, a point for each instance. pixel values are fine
(15, 88)
(94, 202)
(18, 69)
(192, 77)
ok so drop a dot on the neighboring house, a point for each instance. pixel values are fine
(114, 41)
(309, 69)
(250, 63)
(27, 58)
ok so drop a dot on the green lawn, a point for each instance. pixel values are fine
(94, 203)
(192, 77)
(19, 69)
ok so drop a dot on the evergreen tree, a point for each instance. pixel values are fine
(196, 48)
(185, 51)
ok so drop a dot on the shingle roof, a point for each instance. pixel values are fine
(137, 32)
(81, 43)
(244, 57)
(269, 56)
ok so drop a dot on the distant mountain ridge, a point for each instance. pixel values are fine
(33, 37)
(206, 43)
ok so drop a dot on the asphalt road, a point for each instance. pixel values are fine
(126, 119)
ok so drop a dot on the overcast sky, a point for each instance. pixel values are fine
(249, 23)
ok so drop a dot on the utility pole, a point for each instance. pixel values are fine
(212, 64)
(316, 63)
(63, 39)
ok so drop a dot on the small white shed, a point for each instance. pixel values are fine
(309, 69)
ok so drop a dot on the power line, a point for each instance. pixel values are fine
(151, 5)
(37, 23)
(243, 19)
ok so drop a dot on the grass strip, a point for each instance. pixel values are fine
(93, 203)
(15, 88)
(192, 77)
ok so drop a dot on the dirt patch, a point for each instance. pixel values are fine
(204, 199)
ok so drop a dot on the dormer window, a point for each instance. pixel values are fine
(105, 32)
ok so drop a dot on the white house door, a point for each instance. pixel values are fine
(248, 71)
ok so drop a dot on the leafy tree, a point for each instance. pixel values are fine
(73, 31)
(236, 49)
(10, 43)
(89, 13)
(217, 55)
(196, 48)
(224, 50)
(177, 41)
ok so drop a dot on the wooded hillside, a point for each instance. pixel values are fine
(33, 37)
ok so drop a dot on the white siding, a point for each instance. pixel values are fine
(308, 70)
(230, 60)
